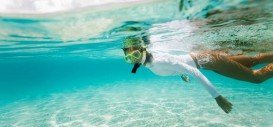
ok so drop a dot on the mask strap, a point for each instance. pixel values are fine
(143, 57)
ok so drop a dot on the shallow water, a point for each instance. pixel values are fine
(66, 69)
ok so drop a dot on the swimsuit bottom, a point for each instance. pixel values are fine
(203, 59)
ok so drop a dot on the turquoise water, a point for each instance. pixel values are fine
(67, 69)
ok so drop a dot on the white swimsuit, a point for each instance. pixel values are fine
(167, 65)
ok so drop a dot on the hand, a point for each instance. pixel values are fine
(224, 103)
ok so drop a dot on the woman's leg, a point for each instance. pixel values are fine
(266, 72)
(222, 64)
(249, 61)
(265, 58)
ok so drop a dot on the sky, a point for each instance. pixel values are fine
(49, 6)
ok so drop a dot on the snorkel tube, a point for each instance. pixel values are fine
(137, 65)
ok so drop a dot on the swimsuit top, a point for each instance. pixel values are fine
(169, 65)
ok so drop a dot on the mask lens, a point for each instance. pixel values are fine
(133, 57)
(136, 54)
(128, 59)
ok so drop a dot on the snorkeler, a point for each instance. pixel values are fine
(238, 67)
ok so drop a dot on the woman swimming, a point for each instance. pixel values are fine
(164, 64)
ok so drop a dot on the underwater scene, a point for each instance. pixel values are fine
(65, 64)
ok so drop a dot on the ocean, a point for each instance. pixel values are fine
(66, 68)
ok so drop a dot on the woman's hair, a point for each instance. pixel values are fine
(136, 41)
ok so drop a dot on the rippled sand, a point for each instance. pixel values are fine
(149, 103)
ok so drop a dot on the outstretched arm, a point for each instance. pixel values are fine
(221, 101)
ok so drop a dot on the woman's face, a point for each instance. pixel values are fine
(133, 55)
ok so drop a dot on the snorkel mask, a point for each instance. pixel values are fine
(135, 52)
(135, 56)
